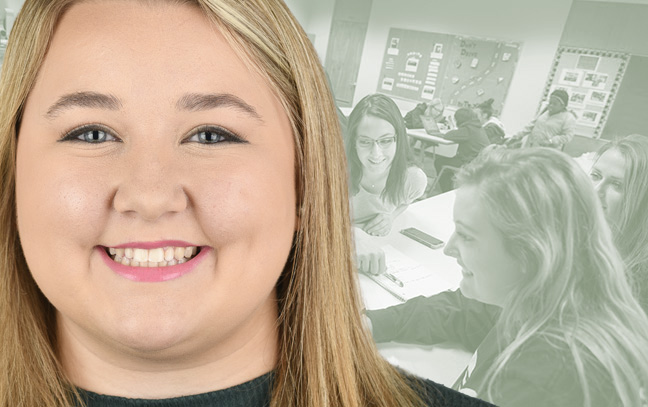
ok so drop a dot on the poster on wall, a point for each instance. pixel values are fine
(591, 78)
(420, 66)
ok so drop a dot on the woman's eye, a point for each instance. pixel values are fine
(595, 176)
(213, 136)
(90, 135)
(617, 186)
(462, 236)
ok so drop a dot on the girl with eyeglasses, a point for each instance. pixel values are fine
(382, 181)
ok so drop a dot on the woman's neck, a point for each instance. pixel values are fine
(374, 183)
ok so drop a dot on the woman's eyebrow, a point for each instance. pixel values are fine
(83, 99)
(204, 101)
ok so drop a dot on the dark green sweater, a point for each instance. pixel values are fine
(256, 393)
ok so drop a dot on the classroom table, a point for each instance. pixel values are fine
(439, 144)
(440, 363)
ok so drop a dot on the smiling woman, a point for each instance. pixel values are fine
(174, 216)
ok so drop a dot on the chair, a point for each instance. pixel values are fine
(444, 169)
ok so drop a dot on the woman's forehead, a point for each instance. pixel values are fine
(125, 51)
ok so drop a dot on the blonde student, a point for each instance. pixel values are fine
(620, 176)
(174, 215)
(544, 302)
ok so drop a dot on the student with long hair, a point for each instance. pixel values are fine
(382, 180)
(175, 216)
(544, 302)
(493, 126)
(620, 175)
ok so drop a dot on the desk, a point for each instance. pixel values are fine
(442, 364)
(439, 145)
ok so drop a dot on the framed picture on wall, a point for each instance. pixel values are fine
(570, 77)
(595, 80)
(597, 97)
(577, 99)
(589, 118)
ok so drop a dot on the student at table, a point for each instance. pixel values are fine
(382, 181)
(471, 139)
(532, 240)
(620, 176)
(493, 126)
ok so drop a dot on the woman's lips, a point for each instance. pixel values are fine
(156, 268)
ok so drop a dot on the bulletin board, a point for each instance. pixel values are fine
(592, 79)
(459, 70)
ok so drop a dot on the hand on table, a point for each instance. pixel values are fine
(369, 257)
(380, 225)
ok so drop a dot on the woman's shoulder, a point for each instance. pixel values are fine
(437, 395)
(415, 173)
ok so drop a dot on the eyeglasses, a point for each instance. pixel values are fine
(384, 143)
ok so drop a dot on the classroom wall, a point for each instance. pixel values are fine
(316, 18)
(609, 26)
(537, 25)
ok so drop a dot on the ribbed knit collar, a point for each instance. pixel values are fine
(255, 393)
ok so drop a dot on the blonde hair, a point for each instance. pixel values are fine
(576, 294)
(326, 357)
(630, 230)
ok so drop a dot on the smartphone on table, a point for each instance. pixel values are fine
(423, 238)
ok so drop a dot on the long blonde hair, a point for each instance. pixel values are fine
(630, 230)
(326, 358)
(576, 293)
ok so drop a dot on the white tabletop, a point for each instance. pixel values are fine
(421, 134)
(433, 216)
(440, 145)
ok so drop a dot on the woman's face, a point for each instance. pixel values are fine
(146, 136)
(608, 175)
(488, 269)
(375, 144)
(555, 105)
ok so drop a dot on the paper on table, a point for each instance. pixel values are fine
(405, 278)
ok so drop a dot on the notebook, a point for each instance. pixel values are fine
(405, 278)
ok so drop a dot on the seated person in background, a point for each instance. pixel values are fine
(493, 127)
(554, 127)
(620, 175)
(471, 139)
(382, 182)
(433, 108)
(532, 240)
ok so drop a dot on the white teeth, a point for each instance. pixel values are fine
(140, 255)
(158, 257)
(178, 253)
(168, 253)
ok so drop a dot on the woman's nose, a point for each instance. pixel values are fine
(150, 188)
(600, 188)
(376, 151)
(450, 248)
